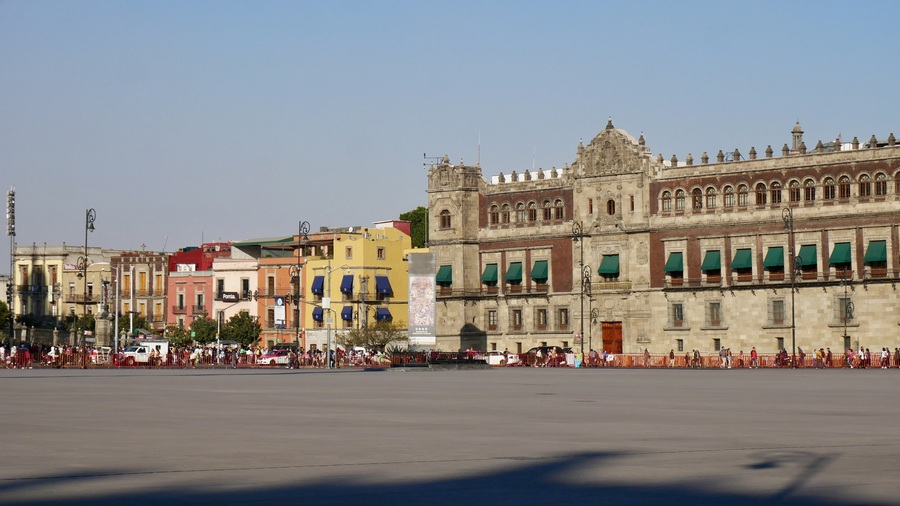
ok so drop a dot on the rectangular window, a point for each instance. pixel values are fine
(270, 318)
(381, 255)
(677, 313)
(245, 288)
(845, 311)
(717, 344)
(158, 286)
(348, 252)
(776, 312)
(714, 314)
(220, 287)
(679, 344)
(181, 301)
(631, 197)
(516, 319)
(590, 206)
(779, 343)
(270, 285)
(541, 318)
(126, 285)
(492, 320)
(562, 317)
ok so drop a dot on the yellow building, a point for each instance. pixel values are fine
(354, 277)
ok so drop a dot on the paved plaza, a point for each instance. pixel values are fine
(502, 436)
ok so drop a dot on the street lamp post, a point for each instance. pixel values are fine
(578, 235)
(848, 309)
(302, 237)
(585, 291)
(10, 286)
(788, 216)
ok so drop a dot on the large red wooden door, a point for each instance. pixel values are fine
(612, 337)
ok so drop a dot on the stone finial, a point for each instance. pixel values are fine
(720, 156)
(770, 151)
(674, 161)
(527, 175)
(540, 174)
(785, 150)
(689, 160)
(704, 158)
(553, 173)
(609, 125)
(891, 140)
(802, 148)
(580, 146)
(873, 142)
(752, 152)
(820, 148)
(854, 143)
(462, 163)
(641, 141)
(445, 160)
(501, 178)
(736, 156)
(837, 144)
(513, 177)
(659, 159)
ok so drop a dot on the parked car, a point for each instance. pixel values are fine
(275, 357)
(497, 358)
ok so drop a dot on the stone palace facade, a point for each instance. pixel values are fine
(626, 252)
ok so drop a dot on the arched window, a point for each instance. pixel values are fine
(775, 193)
(666, 201)
(520, 212)
(865, 186)
(794, 191)
(611, 207)
(548, 210)
(760, 194)
(445, 219)
(844, 187)
(559, 210)
(679, 200)
(809, 188)
(742, 195)
(880, 184)
(897, 183)
(504, 214)
(710, 198)
(494, 215)
(532, 212)
(729, 196)
(697, 199)
(828, 189)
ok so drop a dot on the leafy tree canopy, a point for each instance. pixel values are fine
(242, 328)
(418, 225)
(176, 334)
(376, 336)
(204, 329)
(5, 314)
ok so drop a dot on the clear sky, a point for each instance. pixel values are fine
(182, 121)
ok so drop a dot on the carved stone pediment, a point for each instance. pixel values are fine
(612, 151)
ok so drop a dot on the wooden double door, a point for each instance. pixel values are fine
(612, 337)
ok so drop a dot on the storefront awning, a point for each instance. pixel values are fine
(318, 285)
(674, 263)
(876, 252)
(774, 257)
(383, 285)
(444, 275)
(539, 271)
(712, 261)
(807, 256)
(489, 276)
(609, 266)
(742, 259)
(347, 284)
(383, 313)
(347, 313)
(514, 273)
(317, 313)
(840, 254)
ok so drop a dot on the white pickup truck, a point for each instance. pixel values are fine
(139, 354)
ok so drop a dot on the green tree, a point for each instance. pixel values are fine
(125, 324)
(176, 334)
(242, 328)
(418, 225)
(203, 329)
(5, 315)
(376, 336)
(77, 323)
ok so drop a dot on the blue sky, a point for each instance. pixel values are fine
(187, 120)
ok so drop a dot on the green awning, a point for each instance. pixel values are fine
(774, 257)
(674, 263)
(840, 254)
(444, 275)
(489, 276)
(514, 273)
(712, 261)
(807, 256)
(539, 271)
(876, 252)
(742, 259)
(609, 266)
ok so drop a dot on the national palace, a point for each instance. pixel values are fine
(625, 251)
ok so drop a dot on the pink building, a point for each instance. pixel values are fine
(190, 286)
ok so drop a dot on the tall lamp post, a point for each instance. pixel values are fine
(11, 232)
(788, 216)
(578, 235)
(89, 216)
(848, 309)
(302, 237)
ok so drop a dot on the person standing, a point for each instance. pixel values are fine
(672, 358)
(754, 358)
(646, 358)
